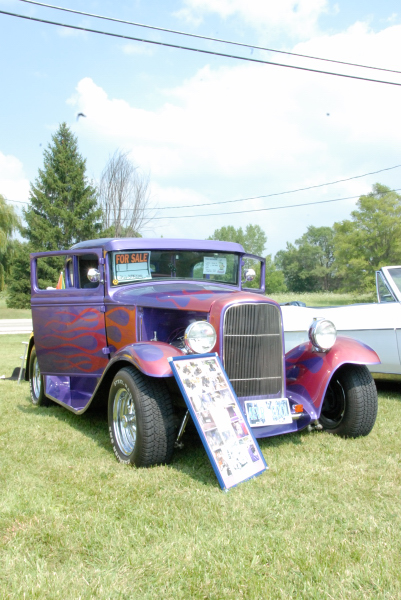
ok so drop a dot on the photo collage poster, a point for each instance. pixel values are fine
(213, 405)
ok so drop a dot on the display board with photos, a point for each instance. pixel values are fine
(214, 408)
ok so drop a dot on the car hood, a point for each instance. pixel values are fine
(198, 297)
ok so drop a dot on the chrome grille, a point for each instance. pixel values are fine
(253, 349)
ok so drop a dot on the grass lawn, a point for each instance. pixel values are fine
(324, 298)
(323, 523)
(12, 313)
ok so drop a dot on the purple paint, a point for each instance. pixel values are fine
(77, 345)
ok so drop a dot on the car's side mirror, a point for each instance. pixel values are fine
(93, 275)
(249, 274)
(253, 273)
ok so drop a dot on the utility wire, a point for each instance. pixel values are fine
(240, 212)
(201, 51)
(311, 187)
(204, 37)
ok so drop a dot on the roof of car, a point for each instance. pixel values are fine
(109, 244)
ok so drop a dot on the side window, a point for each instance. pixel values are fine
(54, 272)
(383, 291)
(86, 262)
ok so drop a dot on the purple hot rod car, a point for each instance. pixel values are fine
(122, 307)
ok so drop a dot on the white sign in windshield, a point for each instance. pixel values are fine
(214, 266)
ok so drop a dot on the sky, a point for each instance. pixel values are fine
(236, 136)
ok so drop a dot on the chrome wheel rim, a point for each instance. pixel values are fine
(124, 421)
(36, 379)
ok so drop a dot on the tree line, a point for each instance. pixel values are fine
(341, 258)
(344, 257)
(65, 208)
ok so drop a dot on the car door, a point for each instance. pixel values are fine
(68, 315)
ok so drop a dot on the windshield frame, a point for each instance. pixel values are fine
(172, 265)
(392, 282)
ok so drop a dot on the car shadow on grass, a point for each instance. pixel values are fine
(389, 387)
(92, 423)
(191, 460)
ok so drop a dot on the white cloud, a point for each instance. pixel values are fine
(69, 32)
(136, 48)
(297, 18)
(246, 130)
(13, 183)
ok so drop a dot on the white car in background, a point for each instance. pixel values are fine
(377, 325)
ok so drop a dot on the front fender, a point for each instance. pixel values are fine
(148, 357)
(308, 372)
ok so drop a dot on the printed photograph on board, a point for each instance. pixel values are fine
(232, 449)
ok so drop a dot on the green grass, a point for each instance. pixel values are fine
(12, 313)
(324, 298)
(322, 523)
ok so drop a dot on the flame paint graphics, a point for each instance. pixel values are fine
(73, 342)
(188, 300)
(121, 327)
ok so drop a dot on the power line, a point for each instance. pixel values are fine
(262, 196)
(207, 38)
(199, 50)
(240, 212)
(311, 187)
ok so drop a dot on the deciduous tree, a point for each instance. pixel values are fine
(275, 282)
(308, 264)
(124, 197)
(253, 239)
(369, 240)
(9, 222)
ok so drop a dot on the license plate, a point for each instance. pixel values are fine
(275, 411)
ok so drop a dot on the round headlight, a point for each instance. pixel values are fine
(322, 334)
(200, 337)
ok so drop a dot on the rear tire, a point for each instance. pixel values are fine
(36, 383)
(350, 405)
(141, 419)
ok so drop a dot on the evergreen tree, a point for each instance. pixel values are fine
(62, 211)
(19, 286)
(63, 205)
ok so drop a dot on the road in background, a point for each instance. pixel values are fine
(15, 326)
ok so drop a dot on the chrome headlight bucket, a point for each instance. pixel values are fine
(322, 334)
(200, 337)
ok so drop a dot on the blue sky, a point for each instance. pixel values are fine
(209, 129)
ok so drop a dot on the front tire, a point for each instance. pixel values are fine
(36, 383)
(141, 419)
(350, 405)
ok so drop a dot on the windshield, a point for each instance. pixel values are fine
(133, 266)
(396, 275)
